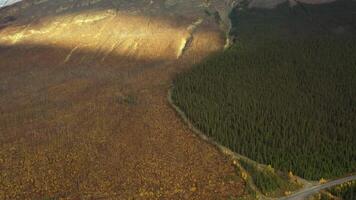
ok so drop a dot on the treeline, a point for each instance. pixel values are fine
(288, 103)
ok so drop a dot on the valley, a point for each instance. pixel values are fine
(260, 101)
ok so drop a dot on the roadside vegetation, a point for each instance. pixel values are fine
(284, 94)
(268, 181)
(345, 191)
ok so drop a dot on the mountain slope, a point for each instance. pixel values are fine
(83, 110)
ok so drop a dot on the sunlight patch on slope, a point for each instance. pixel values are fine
(106, 32)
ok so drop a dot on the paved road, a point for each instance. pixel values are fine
(315, 189)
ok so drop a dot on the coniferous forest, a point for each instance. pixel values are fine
(280, 95)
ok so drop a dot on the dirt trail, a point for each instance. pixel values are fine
(83, 109)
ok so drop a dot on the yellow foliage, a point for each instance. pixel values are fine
(193, 189)
(322, 181)
(290, 174)
(270, 168)
(244, 175)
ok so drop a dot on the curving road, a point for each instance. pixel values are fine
(317, 188)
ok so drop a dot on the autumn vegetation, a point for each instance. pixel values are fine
(345, 191)
(269, 181)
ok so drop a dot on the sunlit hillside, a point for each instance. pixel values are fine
(83, 110)
(86, 109)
